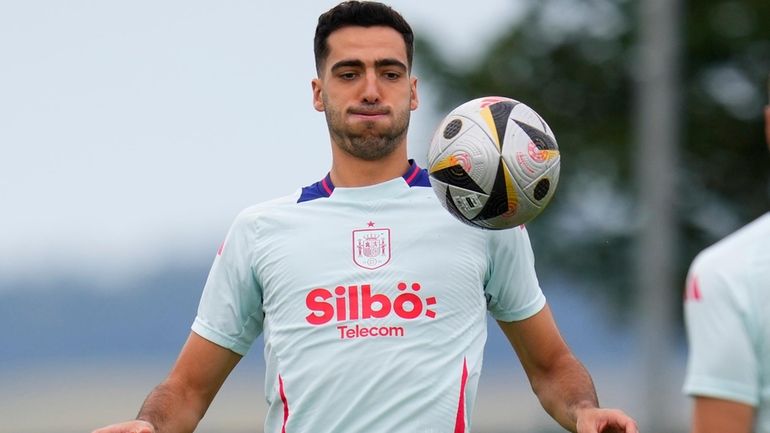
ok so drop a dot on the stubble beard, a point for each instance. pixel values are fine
(370, 144)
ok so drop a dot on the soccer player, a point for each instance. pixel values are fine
(371, 297)
(727, 316)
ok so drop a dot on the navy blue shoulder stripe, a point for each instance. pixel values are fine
(417, 176)
(321, 189)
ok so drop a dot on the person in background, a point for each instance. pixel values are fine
(727, 317)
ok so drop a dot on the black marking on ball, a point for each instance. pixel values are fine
(497, 204)
(452, 208)
(542, 188)
(453, 128)
(540, 138)
(501, 111)
(456, 176)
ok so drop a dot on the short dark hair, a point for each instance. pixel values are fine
(359, 13)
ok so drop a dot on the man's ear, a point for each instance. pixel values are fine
(318, 101)
(414, 100)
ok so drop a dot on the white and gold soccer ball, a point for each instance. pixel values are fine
(494, 163)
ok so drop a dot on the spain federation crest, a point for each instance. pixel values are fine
(371, 247)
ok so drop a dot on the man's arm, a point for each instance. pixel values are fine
(713, 415)
(181, 400)
(559, 380)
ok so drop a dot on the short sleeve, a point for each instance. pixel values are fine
(512, 290)
(722, 362)
(230, 312)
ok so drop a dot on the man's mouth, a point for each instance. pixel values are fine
(368, 114)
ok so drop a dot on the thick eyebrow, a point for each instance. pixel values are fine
(347, 64)
(381, 63)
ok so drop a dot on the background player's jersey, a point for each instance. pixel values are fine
(372, 302)
(727, 310)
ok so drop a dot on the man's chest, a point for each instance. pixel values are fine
(372, 268)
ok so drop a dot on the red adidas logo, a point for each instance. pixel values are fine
(692, 290)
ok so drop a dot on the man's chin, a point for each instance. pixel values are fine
(370, 153)
(368, 127)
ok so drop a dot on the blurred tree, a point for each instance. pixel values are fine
(573, 62)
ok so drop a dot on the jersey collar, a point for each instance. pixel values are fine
(414, 176)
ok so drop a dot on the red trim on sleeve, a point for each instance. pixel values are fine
(696, 289)
(692, 291)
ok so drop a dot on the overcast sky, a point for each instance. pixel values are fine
(132, 132)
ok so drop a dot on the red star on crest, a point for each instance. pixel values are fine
(370, 223)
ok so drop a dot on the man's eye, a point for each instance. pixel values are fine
(392, 75)
(348, 75)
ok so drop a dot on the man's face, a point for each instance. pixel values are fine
(365, 90)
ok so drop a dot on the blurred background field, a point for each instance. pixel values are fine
(132, 133)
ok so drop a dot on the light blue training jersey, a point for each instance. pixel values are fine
(727, 312)
(372, 302)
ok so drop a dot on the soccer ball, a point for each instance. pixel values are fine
(494, 163)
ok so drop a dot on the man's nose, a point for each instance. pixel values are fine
(371, 92)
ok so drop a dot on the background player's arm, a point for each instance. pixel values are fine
(181, 400)
(713, 415)
(559, 380)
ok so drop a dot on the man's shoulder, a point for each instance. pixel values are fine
(738, 250)
(267, 207)
(751, 234)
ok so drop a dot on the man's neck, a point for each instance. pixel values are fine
(349, 171)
